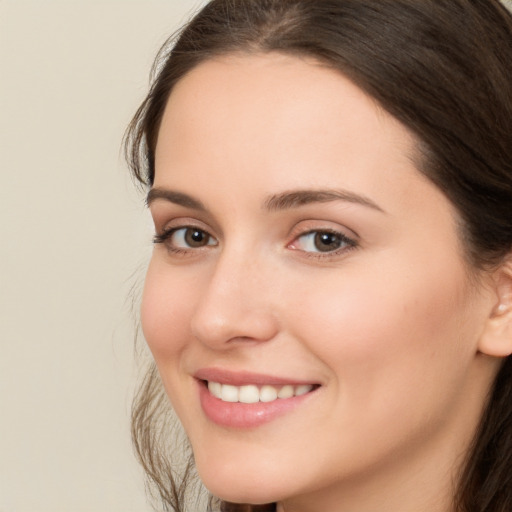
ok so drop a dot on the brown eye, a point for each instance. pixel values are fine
(322, 242)
(325, 242)
(194, 237)
(185, 238)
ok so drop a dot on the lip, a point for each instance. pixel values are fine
(246, 378)
(238, 415)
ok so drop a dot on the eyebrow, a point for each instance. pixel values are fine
(296, 198)
(283, 201)
(174, 197)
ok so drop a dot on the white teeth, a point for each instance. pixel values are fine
(229, 393)
(268, 394)
(302, 390)
(251, 394)
(215, 389)
(285, 392)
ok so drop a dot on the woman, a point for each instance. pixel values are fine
(329, 301)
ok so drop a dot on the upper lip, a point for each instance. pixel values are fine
(244, 378)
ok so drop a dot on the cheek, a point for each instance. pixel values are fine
(394, 349)
(167, 303)
(382, 333)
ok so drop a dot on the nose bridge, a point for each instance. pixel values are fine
(236, 302)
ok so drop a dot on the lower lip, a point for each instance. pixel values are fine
(244, 416)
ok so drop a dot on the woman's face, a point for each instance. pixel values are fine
(303, 255)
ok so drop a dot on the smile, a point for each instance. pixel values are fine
(245, 400)
(251, 394)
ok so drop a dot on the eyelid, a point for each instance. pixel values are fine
(348, 241)
(308, 226)
(166, 215)
(166, 224)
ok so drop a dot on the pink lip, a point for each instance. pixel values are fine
(245, 378)
(244, 416)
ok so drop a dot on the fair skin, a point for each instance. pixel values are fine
(361, 293)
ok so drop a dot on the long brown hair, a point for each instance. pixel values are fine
(441, 67)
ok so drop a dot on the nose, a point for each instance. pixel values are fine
(236, 304)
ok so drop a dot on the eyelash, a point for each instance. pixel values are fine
(347, 243)
(165, 236)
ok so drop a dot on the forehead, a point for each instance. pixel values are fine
(276, 122)
(272, 109)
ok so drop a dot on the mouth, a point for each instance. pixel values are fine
(245, 400)
(241, 400)
(252, 393)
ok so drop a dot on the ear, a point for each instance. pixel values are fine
(496, 339)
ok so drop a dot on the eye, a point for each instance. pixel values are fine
(322, 242)
(185, 238)
(191, 237)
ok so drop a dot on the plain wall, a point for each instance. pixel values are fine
(73, 230)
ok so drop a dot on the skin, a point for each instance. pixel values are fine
(389, 326)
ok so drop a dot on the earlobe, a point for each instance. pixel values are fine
(496, 340)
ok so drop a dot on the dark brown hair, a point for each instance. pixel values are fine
(441, 67)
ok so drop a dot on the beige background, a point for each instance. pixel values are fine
(73, 231)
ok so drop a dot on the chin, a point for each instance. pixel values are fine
(241, 485)
(252, 494)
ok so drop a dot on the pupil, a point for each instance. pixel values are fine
(195, 238)
(327, 242)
